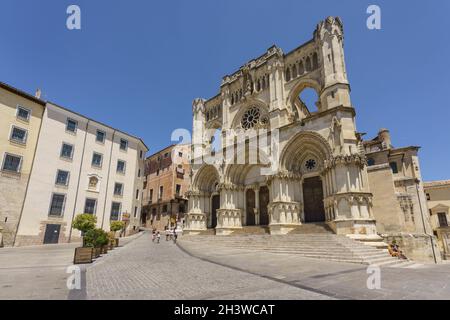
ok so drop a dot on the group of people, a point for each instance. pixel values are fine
(394, 251)
(171, 234)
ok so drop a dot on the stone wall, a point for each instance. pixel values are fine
(416, 247)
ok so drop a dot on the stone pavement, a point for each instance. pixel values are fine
(146, 270)
(344, 280)
(37, 272)
(140, 269)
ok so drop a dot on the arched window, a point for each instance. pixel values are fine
(288, 74)
(294, 71)
(264, 83)
(308, 64)
(301, 68)
(258, 85)
(315, 61)
(232, 98)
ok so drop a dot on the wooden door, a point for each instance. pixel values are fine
(215, 204)
(250, 207)
(263, 206)
(313, 200)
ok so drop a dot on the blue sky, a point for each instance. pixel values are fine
(137, 65)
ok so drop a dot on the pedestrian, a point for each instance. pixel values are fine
(153, 235)
(158, 237)
(175, 236)
(167, 232)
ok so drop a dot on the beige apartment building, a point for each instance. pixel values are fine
(57, 164)
(166, 181)
(438, 197)
(20, 122)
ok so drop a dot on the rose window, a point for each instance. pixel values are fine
(310, 164)
(250, 118)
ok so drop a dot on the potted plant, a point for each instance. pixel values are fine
(84, 223)
(114, 227)
(95, 238)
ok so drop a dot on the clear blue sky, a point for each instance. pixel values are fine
(137, 65)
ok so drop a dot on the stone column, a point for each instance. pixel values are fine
(284, 211)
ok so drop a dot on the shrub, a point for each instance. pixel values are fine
(96, 238)
(84, 222)
(117, 225)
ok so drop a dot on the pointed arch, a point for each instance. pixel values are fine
(304, 145)
(206, 179)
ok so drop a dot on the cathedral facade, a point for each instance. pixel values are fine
(309, 164)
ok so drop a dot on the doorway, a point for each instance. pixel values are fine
(263, 206)
(250, 206)
(313, 200)
(52, 233)
(215, 205)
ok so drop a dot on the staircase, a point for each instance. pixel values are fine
(324, 245)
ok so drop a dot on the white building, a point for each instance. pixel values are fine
(81, 166)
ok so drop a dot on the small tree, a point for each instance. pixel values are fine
(96, 238)
(84, 223)
(116, 226)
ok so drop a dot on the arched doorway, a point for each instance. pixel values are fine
(250, 206)
(215, 205)
(263, 204)
(313, 200)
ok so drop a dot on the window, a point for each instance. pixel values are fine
(442, 219)
(18, 135)
(12, 163)
(57, 205)
(67, 151)
(120, 166)
(23, 113)
(139, 173)
(118, 189)
(71, 125)
(370, 162)
(178, 189)
(137, 194)
(62, 178)
(145, 185)
(394, 167)
(140, 154)
(90, 206)
(135, 211)
(151, 194)
(115, 211)
(97, 160)
(166, 155)
(123, 144)
(180, 154)
(100, 137)
(161, 192)
(428, 197)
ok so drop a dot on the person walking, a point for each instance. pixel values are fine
(158, 237)
(153, 235)
(175, 236)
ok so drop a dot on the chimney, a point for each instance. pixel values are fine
(38, 93)
(385, 137)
